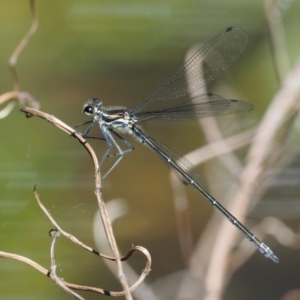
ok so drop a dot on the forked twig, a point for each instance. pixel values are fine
(55, 234)
(73, 286)
(81, 244)
(98, 191)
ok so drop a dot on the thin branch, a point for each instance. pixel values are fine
(66, 285)
(55, 234)
(98, 191)
(24, 97)
(81, 244)
(116, 209)
(277, 39)
(20, 48)
(46, 272)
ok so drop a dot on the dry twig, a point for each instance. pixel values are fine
(16, 93)
(104, 216)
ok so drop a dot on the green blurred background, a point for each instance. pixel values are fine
(119, 51)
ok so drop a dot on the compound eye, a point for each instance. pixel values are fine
(88, 110)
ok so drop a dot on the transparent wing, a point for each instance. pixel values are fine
(182, 162)
(215, 57)
(199, 107)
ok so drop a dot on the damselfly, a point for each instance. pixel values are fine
(214, 57)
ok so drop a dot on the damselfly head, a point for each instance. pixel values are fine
(91, 107)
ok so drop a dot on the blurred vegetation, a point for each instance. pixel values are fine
(118, 51)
